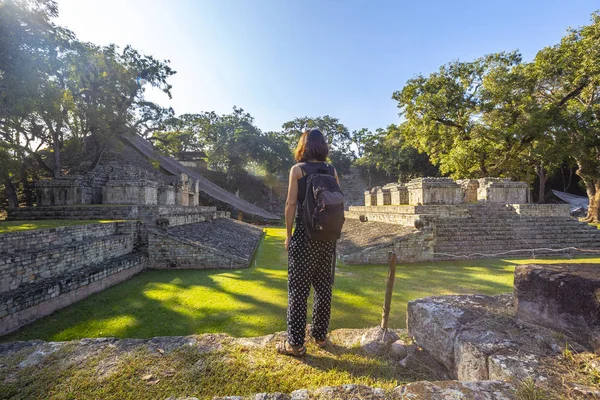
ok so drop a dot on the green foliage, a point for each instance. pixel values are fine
(500, 116)
(232, 141)
(387, 150)
(56, 90)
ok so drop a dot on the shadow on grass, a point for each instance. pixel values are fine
(253, 302)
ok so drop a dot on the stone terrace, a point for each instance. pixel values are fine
(481, 230)
(225, 234)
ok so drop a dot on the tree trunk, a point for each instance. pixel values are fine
(593, 214)
(543, 178)
(592, 187)
(11, 192)
(57, 159)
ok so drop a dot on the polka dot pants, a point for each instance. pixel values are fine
(308, 264)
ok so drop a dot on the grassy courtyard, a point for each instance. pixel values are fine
(252, 302)
(18, 226)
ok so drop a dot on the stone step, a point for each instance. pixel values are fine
(18, 306)
(524, 235)
(39, 264)
(500, 249)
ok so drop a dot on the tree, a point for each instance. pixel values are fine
(386, 150)
(336, 134)
(568, 88)
(57, 89)
(482, 118)
(231, 141)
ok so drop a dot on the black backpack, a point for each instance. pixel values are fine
(323, 205)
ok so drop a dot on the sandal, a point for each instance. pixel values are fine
(320, 343)
(296, 351)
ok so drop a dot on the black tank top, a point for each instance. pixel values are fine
(307, 169)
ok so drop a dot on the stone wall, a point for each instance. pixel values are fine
(140, 192)
(542, 210)
(31, 302)
(169, 252)
(434, 191)
(371, 197)
(47, 269)
(32, 256)
(500, 190)
(177, 215)
(414, 247)
(469, 188)
(399, 194)
(384, 197)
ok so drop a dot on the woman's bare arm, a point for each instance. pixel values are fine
(292, 199)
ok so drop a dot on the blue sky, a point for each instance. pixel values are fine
(281, 59)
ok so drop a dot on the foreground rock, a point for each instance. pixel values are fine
(477, 337)
(564, 297)
(444, 390)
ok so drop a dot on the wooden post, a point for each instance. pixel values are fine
(388, 291)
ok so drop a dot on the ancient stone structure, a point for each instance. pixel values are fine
(136, 174)
(371, 197)
(504, 191)
(469, 188)
(565, 297)
(469, 219)
(399, 194)
(384, 197)
(481, 337)
(48, 269)
(424, 191)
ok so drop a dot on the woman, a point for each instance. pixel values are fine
(309, 261)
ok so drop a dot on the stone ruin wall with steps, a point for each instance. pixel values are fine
(44, 270)
(452, 226)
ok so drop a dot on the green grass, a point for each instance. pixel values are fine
(17, 226)
(233, 369)
(252, 302)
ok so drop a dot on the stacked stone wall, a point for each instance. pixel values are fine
(31, 302)
(35, 264)
(542, 210)
(423, 191)
(168, 252)
(414, 247)
(384, 197)
(177, 215)
(44, 270)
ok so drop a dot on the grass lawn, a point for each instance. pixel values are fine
(252, 302)
(17, 226)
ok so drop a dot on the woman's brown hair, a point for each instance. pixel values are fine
(311, 146)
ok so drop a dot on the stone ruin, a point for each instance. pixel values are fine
(468, 346)
(158, 223)
(119, 184)
(426, 191)
(469, 218)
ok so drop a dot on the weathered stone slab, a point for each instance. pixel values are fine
(434, 191)
(564, 297)
(477, 338)
(502, 190)
(481, 390)
(384, 197)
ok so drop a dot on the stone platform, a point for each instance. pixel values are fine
(219, 243)
(564, 297)
(482, 230)
(149, 214)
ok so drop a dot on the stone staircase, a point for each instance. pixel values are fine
(45, 270)
(497, 232)
(353, 185)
